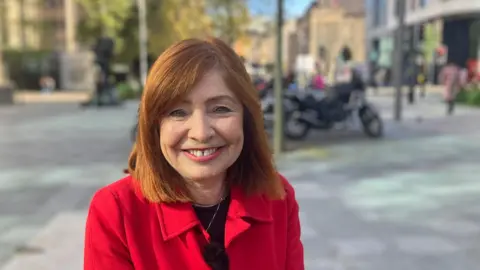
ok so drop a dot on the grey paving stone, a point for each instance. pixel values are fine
(25, 200)
(20, 234)
(456, 227)
(423, 245)
(356, 247)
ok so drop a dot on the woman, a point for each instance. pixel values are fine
(318, 81)
(203, 192)
(450, 77)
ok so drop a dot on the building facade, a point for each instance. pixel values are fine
(333, 26)
(320, 33)
(258, 43)
(33, 24)
(430, 24)
(290, 44)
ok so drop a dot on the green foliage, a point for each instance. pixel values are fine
(125, 91)
(103, 17)
(230, 18)
(462, 96)
(168, 21)
(469, 96)
(26, 67)
(474, 98)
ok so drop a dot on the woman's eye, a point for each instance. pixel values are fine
(178, 113)
(222, 109)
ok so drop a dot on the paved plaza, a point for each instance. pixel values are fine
(409, 201)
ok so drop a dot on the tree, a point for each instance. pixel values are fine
(229, 18)
(188, 18)
(174, 20)
(168, 21)
(103, 18)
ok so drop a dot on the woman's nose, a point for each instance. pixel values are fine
(201, 129)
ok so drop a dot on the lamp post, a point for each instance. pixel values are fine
(398, 58)
(70, 25)
(2, 71)
(6, 90)
(143, 40)
(278, 137)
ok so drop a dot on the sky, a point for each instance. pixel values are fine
(293, 8)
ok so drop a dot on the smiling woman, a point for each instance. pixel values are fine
(187, 81)
(203, 192)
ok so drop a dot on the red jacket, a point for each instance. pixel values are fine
(125, 232)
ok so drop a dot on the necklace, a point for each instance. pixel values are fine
(214, 214)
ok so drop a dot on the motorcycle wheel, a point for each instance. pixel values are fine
(294, 128)
(371, 122)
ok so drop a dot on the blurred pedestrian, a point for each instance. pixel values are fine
(450, 77)
(203, 192)
(422, 80)
(290, 81)
(47, 84)
(318, 81)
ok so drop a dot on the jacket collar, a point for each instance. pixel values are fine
(177, 218)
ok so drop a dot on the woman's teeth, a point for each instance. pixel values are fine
(202, 153)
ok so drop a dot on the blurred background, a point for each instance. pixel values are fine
(384, 163)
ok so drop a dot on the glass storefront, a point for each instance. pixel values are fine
(474, 40)
(474, 50)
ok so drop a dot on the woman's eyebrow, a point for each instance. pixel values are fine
(222, 98)
(217, 98)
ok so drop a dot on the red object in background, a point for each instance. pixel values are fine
(260, 86)
(473, 70)
(441, 51)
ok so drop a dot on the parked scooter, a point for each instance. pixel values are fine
(340, 104)
(290, 105)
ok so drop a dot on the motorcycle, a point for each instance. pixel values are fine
(340, 104)
(290, 104)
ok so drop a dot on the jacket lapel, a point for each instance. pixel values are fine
(244, 211)
(175, 219)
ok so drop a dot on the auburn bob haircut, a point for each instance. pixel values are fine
(169, 81)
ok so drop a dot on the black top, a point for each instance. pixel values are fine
(214, 252)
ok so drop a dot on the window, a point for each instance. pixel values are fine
(377, 12)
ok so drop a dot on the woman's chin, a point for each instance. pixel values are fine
(199, 175)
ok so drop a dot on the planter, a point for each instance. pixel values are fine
(6, 95)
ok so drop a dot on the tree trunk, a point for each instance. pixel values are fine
(23, 37)
(231, 24)
(2, 71)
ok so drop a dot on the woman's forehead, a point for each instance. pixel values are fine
(212, 87)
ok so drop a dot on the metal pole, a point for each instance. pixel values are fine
(231, 34)
(278, 137)
(3, 80)
(23, 24)
(70, 25)
(398, 59)
(103, 12)
(412, 62)
(143, 40)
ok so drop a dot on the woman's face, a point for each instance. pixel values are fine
(203, 135)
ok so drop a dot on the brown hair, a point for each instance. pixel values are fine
(171, 78)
